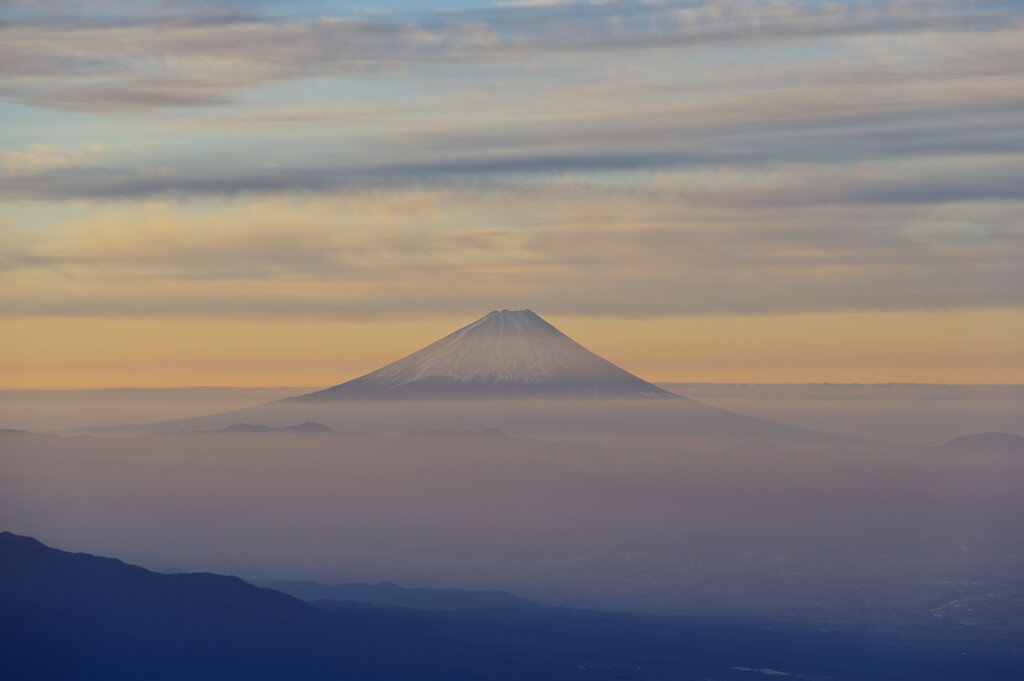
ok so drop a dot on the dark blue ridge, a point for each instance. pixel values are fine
(77, 617)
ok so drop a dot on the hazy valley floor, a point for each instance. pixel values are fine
(751, 530)
(924, 415)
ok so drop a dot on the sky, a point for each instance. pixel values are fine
(270, 193)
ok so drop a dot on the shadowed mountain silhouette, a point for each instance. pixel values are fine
(77, 617)
(311, 427)
(505, 354)
(985, 443)
(82, 617)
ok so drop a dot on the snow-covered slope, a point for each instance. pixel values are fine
(507, 353)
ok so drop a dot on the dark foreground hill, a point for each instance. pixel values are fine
(77, 616)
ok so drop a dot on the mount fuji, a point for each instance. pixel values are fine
(505, 354)
(513, 371)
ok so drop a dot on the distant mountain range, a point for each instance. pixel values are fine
(309, 427)
(985, 443)
(77, 617)
(392, 595)
(978, 443)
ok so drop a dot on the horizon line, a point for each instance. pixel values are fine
(658, 383)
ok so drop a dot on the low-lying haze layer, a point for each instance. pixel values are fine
(750, 529)
(923, 415)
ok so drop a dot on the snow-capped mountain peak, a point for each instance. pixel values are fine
(506, 353)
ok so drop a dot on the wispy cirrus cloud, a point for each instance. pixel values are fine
(580, 250)
(116, 57)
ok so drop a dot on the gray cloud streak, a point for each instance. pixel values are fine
(488, 170)
(802, 258)
(137, 60)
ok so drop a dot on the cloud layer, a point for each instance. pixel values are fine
(621, 158)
